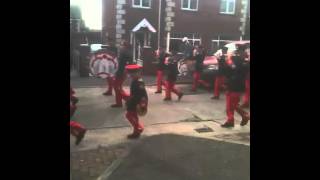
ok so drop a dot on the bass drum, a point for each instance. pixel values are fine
(103, 67)
(185, 67)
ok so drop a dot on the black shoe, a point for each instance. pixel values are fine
(80, 137)
(215, 97)
(107, 94)
(227, 124)
(133, 136)
(245, 120)
(167, 99)
(158, 92)
(180, 96)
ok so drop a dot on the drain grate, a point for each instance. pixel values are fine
(204, 129)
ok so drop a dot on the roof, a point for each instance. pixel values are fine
(144, 24)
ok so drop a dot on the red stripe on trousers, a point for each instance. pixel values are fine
(197, 81)
(217, 85)
(232, 104)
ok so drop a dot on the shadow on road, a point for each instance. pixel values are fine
(177, 157)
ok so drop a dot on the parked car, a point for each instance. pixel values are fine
(210, 62)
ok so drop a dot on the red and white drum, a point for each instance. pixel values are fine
(103, 65)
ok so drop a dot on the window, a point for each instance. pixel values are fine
(227, 6)
(191, 5)
(141, 3)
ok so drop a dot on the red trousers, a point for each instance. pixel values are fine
(76, 128)
(159, 80)
(217, 85)
(246, 97)
(110, 81)
(120, 93)
(232, 103)
(170, 87)
(133, 118)
(197, 81)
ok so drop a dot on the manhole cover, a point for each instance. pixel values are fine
(204, 129)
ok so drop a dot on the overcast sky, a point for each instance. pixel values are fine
(91, 12)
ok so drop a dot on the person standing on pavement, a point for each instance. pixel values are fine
(137, 103)
(235, 81)
(172, 72)
(199, 56)
(76, 129)
(161, 56)
(219, 80)
(125, 58)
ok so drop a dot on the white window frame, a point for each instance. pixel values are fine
(227, 8)
(190, 39)
(140, 6)
(189, 3)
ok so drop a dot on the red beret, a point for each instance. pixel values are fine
(133, 67)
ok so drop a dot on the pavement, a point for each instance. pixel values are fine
(182, 140)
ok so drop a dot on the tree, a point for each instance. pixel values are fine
(75, 12)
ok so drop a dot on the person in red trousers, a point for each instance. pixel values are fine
(199, 56)
(235, 81)
(110, 79)
(161, 56)
(219, 80)
(76, 129)
(172, 73)
(125, 57)
(137, 102)
(246, 97)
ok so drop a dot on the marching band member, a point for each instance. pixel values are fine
(219, 80)
(199, 56)
(235, 81)
(161, 56)
(246, 97)
(125, 58)
(172, 73)
(76, 129)
(137, 102)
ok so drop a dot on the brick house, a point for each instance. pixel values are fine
(199, 20)
(209, 22)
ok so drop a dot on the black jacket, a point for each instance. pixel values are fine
(199, 62)
(137, 92)
(161, 60)
(125, 58)
(247, 69)
(235, 76)
(186, 49)
(222, 65)
(172, 70)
